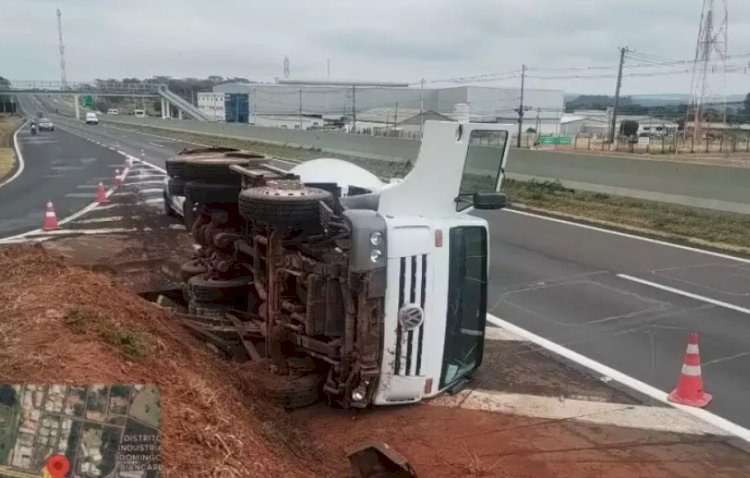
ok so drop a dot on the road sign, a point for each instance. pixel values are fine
(88, 101)
(555, 140)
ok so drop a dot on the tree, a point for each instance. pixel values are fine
(531, 130)
(746, 103)
(629, 128)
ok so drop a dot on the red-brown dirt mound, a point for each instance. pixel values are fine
(63, 324)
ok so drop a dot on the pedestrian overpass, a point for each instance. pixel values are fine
(169, 99)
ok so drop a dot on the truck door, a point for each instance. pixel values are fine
(467, 303)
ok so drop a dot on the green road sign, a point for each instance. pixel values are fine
(555, 140)
(88, 101)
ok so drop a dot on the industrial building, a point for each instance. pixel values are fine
(599, 123)
(377, 108)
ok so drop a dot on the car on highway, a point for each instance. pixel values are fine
(91, 118)
(139, 113)
(46, 125)
(113, 111)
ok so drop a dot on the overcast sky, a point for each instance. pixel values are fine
(394, 40)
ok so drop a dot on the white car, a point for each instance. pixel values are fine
(91, 118)
(113, 111)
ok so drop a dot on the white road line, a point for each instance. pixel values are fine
(100, 219)
(179, 227)
(19, 156)
(75, 232)
(156, 144)
(709, 300)
(152, 181)
(631, 236)
(151, 190)
(108, 206)
(151, 201)
(496, 333)
(562, 408)
(644, 388)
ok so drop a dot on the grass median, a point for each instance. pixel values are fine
(8, 125)
(701, 227)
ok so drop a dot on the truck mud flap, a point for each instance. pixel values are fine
(378, 460)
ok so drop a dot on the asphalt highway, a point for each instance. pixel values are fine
(623, 301)
(58, 167)
(627, 303)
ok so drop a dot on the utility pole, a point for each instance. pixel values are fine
(300, 108)
(354, 109)
(421, 108)
(395, 116)
(520, 107)
(613, 131)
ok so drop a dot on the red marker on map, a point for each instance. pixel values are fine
(58, 466)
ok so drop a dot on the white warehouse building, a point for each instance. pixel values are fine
(305, 106)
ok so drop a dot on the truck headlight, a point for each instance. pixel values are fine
(376, 239)
(375, 255)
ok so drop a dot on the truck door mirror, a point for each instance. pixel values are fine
(493, 200)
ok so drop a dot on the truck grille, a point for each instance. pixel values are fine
(412, 284)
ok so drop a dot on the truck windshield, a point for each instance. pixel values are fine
(484, 161)
(467, 292)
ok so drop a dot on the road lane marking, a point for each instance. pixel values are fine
(151, 190)
(151, 201)
(598, 412)
(19, 157)
(103, 219)
(630, 236)
(497, 333)
(151, 181)
(709, 300)
(627, 380)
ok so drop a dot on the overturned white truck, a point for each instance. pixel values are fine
(368, 293)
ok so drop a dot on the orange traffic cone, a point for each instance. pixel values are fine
(101, 194)
(689, 390)
(118, 178)
(50, 219)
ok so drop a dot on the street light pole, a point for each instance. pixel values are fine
(520, 107)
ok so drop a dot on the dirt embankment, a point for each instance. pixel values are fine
(63, 324)
(8, 125)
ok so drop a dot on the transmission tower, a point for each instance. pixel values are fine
(708, 83)
(63, 75)
(286, 67)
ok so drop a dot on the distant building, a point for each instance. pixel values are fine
(599, 123)
(282, 105)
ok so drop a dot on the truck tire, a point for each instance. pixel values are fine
(292, 391)
(284, 205)
(176, 166)
(208, 193)
(206, 289)
(191, 268)
(216, 169)
(176, 186)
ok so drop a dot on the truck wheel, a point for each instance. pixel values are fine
(216, 169)
(208, 193)
(191, 268)
(176, 186)
(292, 391)
(284, 203)
(176, 166)
(204, 288)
